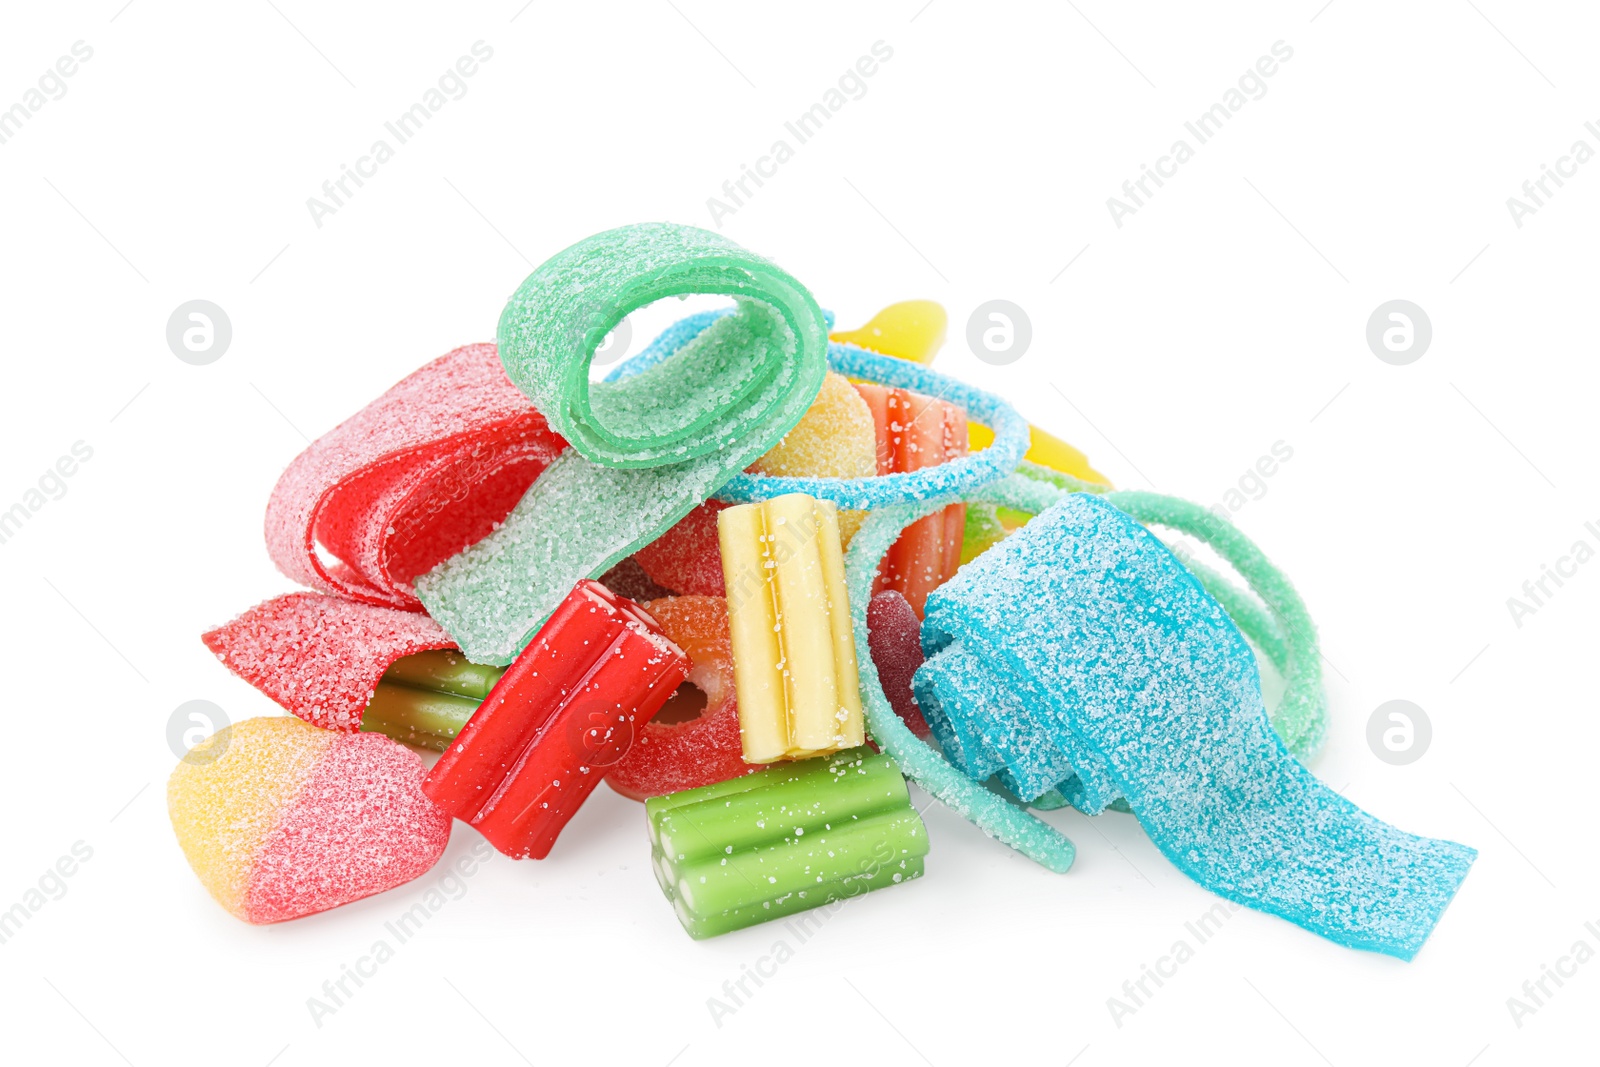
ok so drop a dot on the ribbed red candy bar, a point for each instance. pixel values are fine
(567, 709)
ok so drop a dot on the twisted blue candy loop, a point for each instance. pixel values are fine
(990, 812)
(962, 475)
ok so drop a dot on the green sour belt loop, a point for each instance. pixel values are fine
(645, 450)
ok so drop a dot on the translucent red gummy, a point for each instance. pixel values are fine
(673, 756)
(411, 479)
(916, 432)
(321, 656)
(566, 709)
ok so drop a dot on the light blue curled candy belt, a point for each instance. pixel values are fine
(862, 494)
(1131, 675)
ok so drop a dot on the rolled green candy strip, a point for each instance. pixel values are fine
(646, 449)
(792, 837)
(426, 698)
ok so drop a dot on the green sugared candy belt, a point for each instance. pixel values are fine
(792, 837)
(426, 698)
(645, 449)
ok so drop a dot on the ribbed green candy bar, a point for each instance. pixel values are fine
(646, 449)
(789, 838)
(426, 698)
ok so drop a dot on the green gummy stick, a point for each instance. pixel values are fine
(417, 716)
(703, 926)
(444, 671)
(783, 809)
(857, 848)
(656, 807)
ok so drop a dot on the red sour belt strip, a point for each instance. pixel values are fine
(411, 479)
(916, 432)
(565, 710)
(321, 656)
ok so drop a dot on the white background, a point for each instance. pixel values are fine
(1226, 315)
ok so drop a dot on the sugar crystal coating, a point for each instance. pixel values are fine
(646, 449)
(686, 559)
(290, 820)
(321, 656)
(1127, 663)
(836, 439)
(896, 640)
(417, 475)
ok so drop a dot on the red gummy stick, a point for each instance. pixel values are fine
(321, 656)
(914, 432)
(411, 479)
(569, 707)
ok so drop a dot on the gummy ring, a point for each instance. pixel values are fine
(667, 757)
(885, 490)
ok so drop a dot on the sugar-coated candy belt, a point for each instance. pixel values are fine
(427, 468)
(1010, 430)
(991, 813)
(1139, 675)
(321, 656)
(791, 837)
(1271, 614)
(645, 449)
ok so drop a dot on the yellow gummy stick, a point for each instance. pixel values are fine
(794, 663)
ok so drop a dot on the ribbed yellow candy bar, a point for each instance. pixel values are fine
(794, 663)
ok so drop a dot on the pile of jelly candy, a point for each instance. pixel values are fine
(760, 577)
